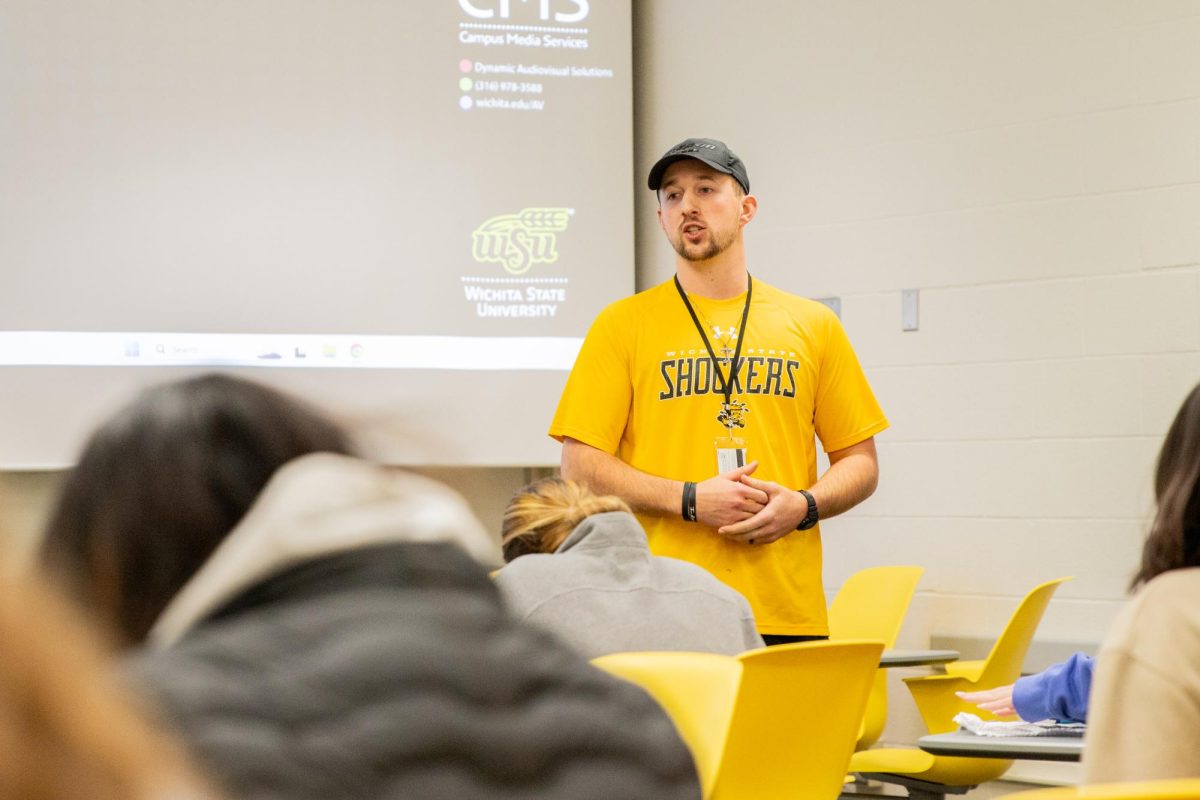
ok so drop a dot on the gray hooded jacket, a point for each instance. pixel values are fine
(603, 592)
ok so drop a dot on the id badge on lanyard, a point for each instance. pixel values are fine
(731, 453)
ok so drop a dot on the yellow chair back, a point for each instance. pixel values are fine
(938, 706)
(697, 690)
(796, 720)
(871, 604)
(1008, 652)
(936, 700)
(1175, 789)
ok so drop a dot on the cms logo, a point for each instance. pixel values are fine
(548, 10)
(518, 241)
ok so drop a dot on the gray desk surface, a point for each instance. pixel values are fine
(1037, 748)
(916, 658)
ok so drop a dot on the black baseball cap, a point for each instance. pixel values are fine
(710, 151)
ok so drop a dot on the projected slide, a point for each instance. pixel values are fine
(342, 185)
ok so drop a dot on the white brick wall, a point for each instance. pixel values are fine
(1034, 169)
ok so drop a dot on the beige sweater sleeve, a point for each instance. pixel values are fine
(1144, 711)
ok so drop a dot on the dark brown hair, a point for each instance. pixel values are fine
(1174, 538)
(541, 515)
(162, 483)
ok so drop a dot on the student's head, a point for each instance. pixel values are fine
(544, 513)
(1174, 538)
(67, 729)
(163, 482)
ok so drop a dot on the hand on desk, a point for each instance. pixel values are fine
(998, 701)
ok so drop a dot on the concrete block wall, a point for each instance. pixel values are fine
(1033, 168)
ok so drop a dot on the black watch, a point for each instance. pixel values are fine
(810, 519)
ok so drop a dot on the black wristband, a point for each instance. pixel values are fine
(689, 501)
(810, 519)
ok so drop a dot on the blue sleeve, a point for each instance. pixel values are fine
(1060, 692)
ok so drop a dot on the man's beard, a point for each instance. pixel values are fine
(703, 251)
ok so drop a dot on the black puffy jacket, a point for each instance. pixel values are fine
(391, 670)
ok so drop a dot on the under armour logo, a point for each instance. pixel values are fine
(732, 332)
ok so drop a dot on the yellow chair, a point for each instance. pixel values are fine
(796, 720)
(1175, 789)
(697, 690)
(871, 605)
(929, 775)
(789, 731)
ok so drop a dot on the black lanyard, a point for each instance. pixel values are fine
(726, 385)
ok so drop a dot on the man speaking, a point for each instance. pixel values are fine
(698, 402)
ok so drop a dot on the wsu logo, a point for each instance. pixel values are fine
(518, 241)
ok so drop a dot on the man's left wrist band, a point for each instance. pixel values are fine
(689, 501)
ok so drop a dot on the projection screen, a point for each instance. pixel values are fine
(406, 212)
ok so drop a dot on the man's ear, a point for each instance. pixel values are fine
(749, 209)
(661, 223)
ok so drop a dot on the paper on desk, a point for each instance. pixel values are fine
(1047, 727)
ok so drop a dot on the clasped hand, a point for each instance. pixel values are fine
(746, 509)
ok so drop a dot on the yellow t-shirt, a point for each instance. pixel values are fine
(643, 388)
